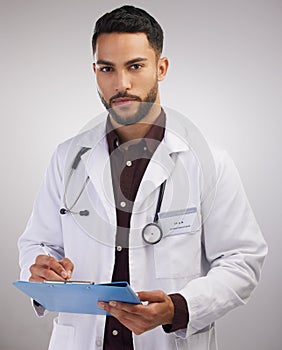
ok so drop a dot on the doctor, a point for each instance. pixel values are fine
(142, 164)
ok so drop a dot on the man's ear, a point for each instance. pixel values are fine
(162, 68)
(94, 67)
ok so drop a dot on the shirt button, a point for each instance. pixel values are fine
(119, 248)
(122, 204)
(114, 332)
(145, 148)
(129, 163)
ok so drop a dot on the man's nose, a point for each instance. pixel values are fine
(123, 82)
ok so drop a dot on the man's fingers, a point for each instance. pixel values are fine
(57, 267)
(124, 312)
(155, 296)
(38, 279)
(114, 308)
(142, 318)
(135, 309)
(39, 273)
(48, 268)
(68, 266)
(137, 318)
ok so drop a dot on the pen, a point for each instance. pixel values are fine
(45, 249)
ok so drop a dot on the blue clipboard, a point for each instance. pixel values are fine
(75, 296)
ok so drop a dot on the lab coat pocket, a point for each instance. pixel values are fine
(202, 340)
(178, 254)
(62, 336)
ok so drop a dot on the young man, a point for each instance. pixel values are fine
(142, 165)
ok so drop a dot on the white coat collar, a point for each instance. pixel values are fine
(97, 161)
(175, 138)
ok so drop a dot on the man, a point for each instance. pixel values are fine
(142, 165)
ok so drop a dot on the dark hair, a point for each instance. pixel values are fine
(130, 19)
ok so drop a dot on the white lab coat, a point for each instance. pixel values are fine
(214, 263)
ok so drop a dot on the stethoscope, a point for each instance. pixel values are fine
(74, 166)
(151, 233)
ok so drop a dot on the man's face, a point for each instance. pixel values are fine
(127, 72)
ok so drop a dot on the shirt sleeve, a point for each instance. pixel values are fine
(181, 314)
(39, 309)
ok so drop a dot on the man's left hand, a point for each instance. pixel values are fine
(141, 318)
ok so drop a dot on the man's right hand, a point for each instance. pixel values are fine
(48, 268)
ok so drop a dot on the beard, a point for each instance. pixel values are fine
(143, 108)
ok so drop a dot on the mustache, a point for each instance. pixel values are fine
(122, 95)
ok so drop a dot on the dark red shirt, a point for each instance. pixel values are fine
(128, 166)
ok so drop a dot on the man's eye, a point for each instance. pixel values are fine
(135, 66)
(106, 69)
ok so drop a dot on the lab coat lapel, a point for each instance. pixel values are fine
(162, 163)
(159, 169)
(98, 168)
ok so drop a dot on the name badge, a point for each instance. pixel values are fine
(178, 221)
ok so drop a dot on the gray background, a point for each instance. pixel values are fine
(225, 74)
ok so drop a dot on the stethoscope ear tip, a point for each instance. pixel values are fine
(63, 211)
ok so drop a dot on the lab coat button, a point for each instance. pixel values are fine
(114, 332)
(99, 342)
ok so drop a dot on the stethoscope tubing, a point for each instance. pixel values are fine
(151, 233)
(68, 209)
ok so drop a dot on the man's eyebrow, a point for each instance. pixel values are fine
(106, 63)
(135, 60)
(111, 64)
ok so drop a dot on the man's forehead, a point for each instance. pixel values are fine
(122, 45)
(121, 37)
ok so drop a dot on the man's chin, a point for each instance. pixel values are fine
(124, 119)
(131, 113)
(126, 115)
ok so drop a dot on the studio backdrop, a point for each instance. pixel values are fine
(225, 75)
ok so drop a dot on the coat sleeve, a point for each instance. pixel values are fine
(233, 247)
(44, 224)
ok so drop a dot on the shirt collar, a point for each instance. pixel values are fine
(155, 133)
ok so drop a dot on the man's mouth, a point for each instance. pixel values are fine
(122, 101)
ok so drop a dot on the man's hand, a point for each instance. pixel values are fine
(142, 318)
(48, 268)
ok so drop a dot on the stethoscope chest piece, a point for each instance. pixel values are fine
(152, 233)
